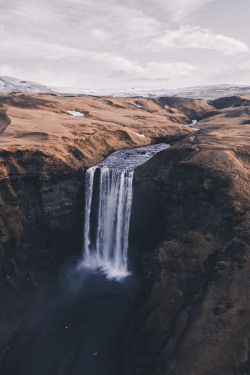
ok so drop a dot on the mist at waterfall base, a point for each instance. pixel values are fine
(79, 325)
(79, 329)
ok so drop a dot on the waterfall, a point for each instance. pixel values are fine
(108, 202)
(106, 243)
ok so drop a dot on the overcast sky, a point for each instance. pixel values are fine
(126, 43)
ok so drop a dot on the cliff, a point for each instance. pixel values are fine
(195, 319)
(47, 142)
(199, 210)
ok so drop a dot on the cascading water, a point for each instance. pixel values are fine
(108, 202)
(107, 246)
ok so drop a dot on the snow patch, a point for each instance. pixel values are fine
(76, 113)
(140, 135)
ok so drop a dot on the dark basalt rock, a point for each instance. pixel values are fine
(170, 139)
(41, 226)
(194, 320)
(4, 119)
(230, 101)
(210, 114)
(247, 122)
(194, 109)
(24, 101)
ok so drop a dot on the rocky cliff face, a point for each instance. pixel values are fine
(44, 152)
(195, 195)
(4, 119)
(195, 319)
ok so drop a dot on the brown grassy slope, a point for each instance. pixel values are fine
(41, 122)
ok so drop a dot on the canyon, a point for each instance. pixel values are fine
(189, 221)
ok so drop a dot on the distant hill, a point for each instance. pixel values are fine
(10, 84)
(212, 92)
(196, 92)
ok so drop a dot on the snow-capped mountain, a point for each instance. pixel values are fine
(212, 92)
(200, 92)
(10, 84)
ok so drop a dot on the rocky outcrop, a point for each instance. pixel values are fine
(41, 224)
(193, 108)
(230, 101)
(4, 119)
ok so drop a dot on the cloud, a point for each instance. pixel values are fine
(245, 66)
(178, 10)
(88, 61)
(111, 25)
(198, 38)
(168, 11)
(110, 42)
(165, 71)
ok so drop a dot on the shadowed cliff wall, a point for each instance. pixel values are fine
(194, 320)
